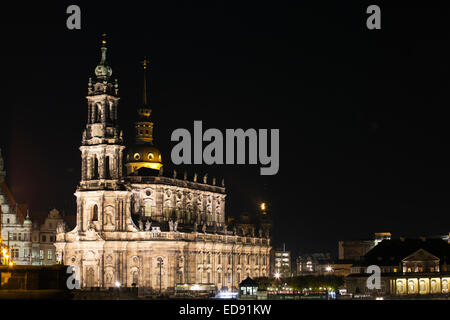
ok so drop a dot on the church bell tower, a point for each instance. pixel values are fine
(101, 195)
(102, 142)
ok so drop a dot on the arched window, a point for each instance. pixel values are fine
(95, 213)
(107, 170)
(95, 169)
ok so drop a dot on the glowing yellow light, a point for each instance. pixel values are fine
(11, 263)
(137, 156)
(263, 206)
(4, 251)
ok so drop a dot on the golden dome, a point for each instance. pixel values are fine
(143, 156)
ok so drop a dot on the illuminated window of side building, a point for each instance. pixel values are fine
(49, 255)
(41, 254)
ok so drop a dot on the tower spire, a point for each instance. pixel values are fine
(103, 71)
(145, 64)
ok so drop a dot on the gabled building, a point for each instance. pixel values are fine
(15, 223)
(408, 267)
(44, 237)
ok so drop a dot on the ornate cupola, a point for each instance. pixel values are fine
(143, 154)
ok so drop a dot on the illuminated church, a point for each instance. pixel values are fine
(142, 228)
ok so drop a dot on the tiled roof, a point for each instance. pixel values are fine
(392, 252)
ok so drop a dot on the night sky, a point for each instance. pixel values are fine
(363, 115)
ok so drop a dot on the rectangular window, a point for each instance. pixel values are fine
(229, 277)
(19, 237)
(44, 238)
(219, 277)
(41, 254)
(148, 209)
(49, 255)
(14, 236)
(15, 253)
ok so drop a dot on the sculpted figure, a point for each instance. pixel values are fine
(61, 227)
(141, 227)
(148, 224)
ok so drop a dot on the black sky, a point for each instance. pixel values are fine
(363, 115)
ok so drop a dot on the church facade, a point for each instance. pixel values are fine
(138, 227)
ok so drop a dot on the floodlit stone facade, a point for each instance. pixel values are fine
(145, 229)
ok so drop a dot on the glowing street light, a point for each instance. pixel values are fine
(117, 284)
(277, 275)
(263, 206)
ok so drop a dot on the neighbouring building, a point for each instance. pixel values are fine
(143, 228)
(44, 237)
(409, 267)
(282, 263)
(15, 223)
(354, 250)
(319, 263)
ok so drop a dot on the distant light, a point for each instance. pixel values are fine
(328, 269)
(263, 206)
(10, 263)
(117, 284)
(195, 287)
(277, 275)
(227, 295)
(379, 298)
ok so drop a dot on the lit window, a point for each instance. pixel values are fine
(49, 255)
(148, 209)
(41, 254)
(137, 156)
(150, 156)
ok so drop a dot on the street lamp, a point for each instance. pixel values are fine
(160, 264)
